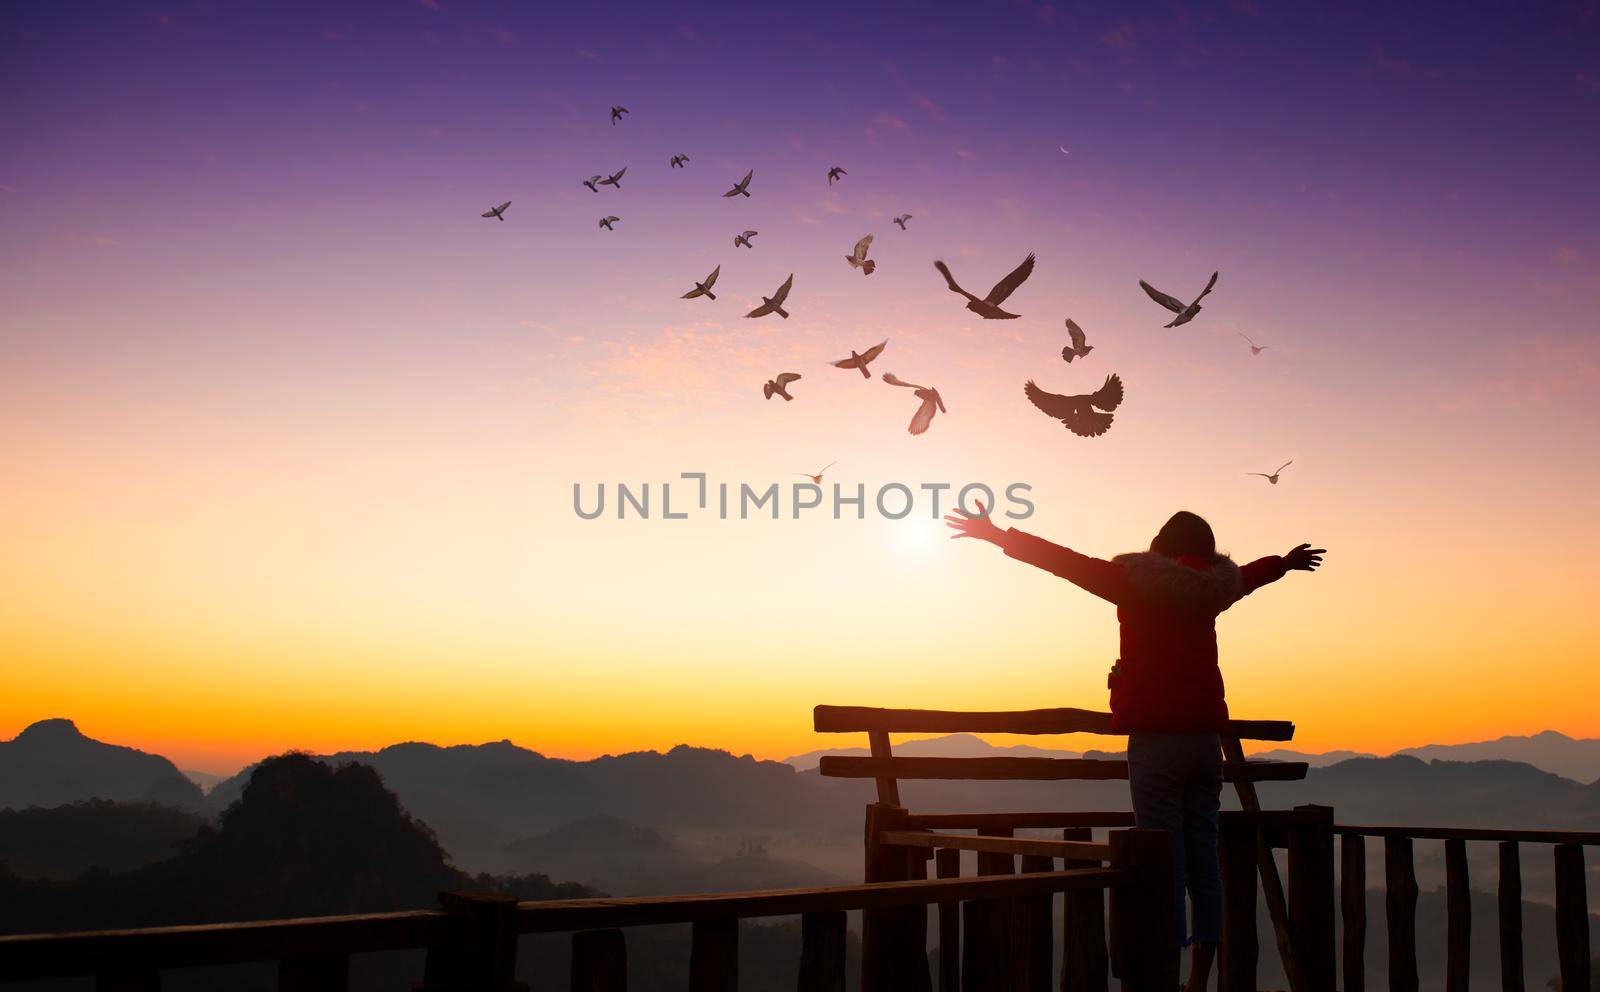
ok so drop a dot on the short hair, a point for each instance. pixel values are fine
(1186, 533)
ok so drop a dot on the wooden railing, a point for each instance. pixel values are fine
(472, 944)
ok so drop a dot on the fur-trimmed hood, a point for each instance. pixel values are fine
(1183, 582)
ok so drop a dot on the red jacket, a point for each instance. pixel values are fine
(1167, 678)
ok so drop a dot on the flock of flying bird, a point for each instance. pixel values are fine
(1086, 414)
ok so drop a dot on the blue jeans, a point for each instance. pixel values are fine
(1176, 781)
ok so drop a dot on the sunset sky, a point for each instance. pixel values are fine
(290, 433)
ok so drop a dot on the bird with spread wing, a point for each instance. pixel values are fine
(1087, 415)
(989, 307)
(615, 179)
(616, 114)
(1273, 477)
(742, 187)
(1255, 349)
(704, 288)
(593, 183)
(1185, 311)
(861, 359)
(499, 213)
(931, 402)
(780, 385)
(607, 221)
(817, 478)
(678, 161)
(743, 239)
(834, 173)
(1079, 348)
(858, 258)
(774, 303)
(901, 220)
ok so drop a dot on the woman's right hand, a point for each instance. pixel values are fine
(973, 524)
(1304, 557)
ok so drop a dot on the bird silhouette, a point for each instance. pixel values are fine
(744, 239)
(1185, 311)
(615, 179)
(742, 187)
(498, 213)
(1082, 414)
(1078, 348)
(817, 478)
(989, 307)
(1255, 349)
(931, 401)
(606, 222)
(858, 259)
(835, 173)
(780, 385)
(860, 360)
(774, 303)
(704, 288)
(678, 160)
(1273, 478)
(616, 114)
(901, 220)
(591, 181)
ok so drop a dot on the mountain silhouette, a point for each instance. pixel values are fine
(66, 841)
(51, 763)
(1577, 759)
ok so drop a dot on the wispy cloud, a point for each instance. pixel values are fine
(1119, 36)
(1565, 257)
(503, 36)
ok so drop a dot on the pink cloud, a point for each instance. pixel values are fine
(934, 110)
(966, 155)
(1119, 36)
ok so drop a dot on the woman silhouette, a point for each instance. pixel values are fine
(1166, 689)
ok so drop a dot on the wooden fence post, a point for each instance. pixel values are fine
(314, 973)
(1240, 951)
(1144, 945)
(1458, 923)
(893, 944)
(483, 955)
(822, 945)
(1572, 917)
(1084, 965)
(1511, 978)
(1031, 958)
(714, 956)
(1353, 908)
(1311, 897)
(947, 864)
(599, 961)
(986, 957)
(1400, 881)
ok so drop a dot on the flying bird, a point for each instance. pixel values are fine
(1082, 414)
(989, 307)
(704, 288)
(615, 179)
(1273, 478)
(1185, 311)
(860, 360)
(858, 259)
(606, 222)
(901, 220)
(780, 386)
(818, 477)
(1064, 149)
(744, 239)
(616, 114)
(1078, 348)
(742, 187)
(774, 303)
(592, 180)
(678, 160)
(498, 213)
(835, 173)
(931, 402)
(1255, 349)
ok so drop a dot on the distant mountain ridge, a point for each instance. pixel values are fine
(51, 763)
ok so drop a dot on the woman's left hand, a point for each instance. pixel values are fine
(1305, 558)
(973, 524)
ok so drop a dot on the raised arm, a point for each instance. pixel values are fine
(1274, 567)
(1094, 575)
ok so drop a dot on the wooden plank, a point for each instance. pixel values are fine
(1240, 951)
(1031, 769)
(37, 956)
(1587, 838)
(599, 961)
(1044, 820)
(1458, 917)
(1510, 897)
(314, 973)
(714, 956)
(1144, 951)
(1353, 909)
(822, 946)
(1311, 898)
(1400, 902)
(1267, 867)
(1031, 963)
(1085, 966)
(947, 864)
(845, 719)
(1572, 917)
(882, 754)
(998, 844)
(629, 911)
